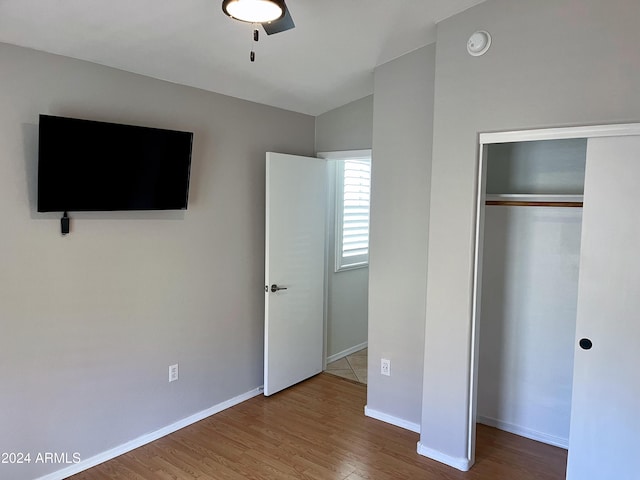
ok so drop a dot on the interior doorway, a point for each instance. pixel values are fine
(346, 336)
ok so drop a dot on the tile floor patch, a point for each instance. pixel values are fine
(353, 367)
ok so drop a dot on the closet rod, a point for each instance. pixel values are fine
(517, 203)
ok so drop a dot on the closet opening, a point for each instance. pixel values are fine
(532, 369)
(530, 286)
(532, 213)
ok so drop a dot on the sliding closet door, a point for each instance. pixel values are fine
(605, 416)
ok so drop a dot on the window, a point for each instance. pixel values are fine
(353, 186)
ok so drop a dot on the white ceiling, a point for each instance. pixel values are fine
(325, 62)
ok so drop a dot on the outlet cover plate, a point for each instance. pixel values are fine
(173, 372)
(385, 367)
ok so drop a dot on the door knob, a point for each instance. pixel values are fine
(275, 288)
(585, 343)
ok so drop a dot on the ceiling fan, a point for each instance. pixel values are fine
(273, 15)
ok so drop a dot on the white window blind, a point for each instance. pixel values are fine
(352, 219)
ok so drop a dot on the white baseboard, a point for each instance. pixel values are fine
(148, 438)
(525, 432)
(348, 351)
(398, 422)
(463, 464)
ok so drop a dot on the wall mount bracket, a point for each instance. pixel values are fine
(64, 224)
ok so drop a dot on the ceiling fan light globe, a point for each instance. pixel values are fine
(254, 11)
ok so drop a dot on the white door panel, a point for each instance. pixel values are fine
(605, 413)
(294, 261)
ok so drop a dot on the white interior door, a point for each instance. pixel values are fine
(605, 412)
(294, 269)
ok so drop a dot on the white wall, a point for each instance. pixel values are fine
(349, 127)
(519, 83)
(401, 166)
(91, 321)
(528, 321)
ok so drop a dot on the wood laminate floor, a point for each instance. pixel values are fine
(317, 430)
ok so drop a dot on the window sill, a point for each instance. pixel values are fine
(347, 268)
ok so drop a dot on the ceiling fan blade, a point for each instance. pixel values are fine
(281, 25)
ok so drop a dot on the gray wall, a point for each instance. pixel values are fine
(553, 80)
(401, 166)
(543, 167)
(91, 321)
(349, 127)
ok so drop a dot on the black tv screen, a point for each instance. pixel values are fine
(85, 165)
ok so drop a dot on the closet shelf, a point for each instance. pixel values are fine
(534, 200)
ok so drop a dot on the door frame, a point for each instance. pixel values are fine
(332, 157)
(485, 139)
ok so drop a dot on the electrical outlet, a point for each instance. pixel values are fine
(173, 372)
(385, 367)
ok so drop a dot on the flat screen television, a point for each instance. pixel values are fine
(85, 165)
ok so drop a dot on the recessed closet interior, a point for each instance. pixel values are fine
(530, 264)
